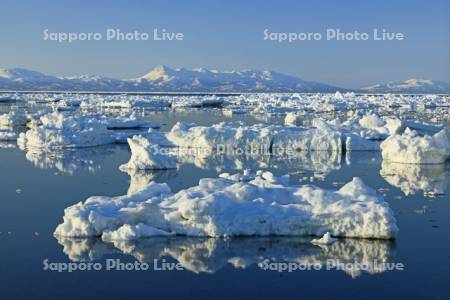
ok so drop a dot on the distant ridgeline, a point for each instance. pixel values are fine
(165, 79)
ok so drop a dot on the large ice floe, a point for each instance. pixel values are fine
(411, 148)
(242, 204)
(209, 255)
(259, 137)
(60, 130)
(63, 131)
(320, 136)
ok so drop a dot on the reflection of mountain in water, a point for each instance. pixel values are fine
(70, 160)
(410, 178)
(208, 255)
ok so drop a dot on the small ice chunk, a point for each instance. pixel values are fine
(326, 239)
(292, 119)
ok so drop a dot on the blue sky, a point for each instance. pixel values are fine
(228, 35)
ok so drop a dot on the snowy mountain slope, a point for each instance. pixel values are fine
(165, 79)
(246, 80)
(23, 79)
(413, 86)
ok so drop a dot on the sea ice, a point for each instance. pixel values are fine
(411, 148)
(259, 136)
(293, 119)
(245, 204)
(63, 131)
(148, 156)
(13, 118)
(205, 101)
(326, 239)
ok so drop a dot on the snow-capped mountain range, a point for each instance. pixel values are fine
(410, 86)
(165, 79)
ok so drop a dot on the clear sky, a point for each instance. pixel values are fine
(228, 35)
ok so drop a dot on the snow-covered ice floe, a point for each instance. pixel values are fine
(411, 148)
(209, 255)
(147, 156)
(123, 102)
(8, 122)
(293, 119)
(259, 137)
(63, 131)
(244, 204)
(371, 126)
(198, 101)
(365, 133)
(13, 118)
(355, 134)
(326, 239)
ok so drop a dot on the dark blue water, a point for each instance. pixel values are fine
(36, 187)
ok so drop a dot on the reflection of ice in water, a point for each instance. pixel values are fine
(320, 162)
(140, 179)
(7, 145)
(70, 160)
(411, 178)
(208, 255)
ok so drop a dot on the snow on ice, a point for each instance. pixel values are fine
(411, 148)
(242, 204)
(147, 156)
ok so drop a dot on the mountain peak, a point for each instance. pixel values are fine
(160, 72)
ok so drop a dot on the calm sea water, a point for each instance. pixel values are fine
(36, 187)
